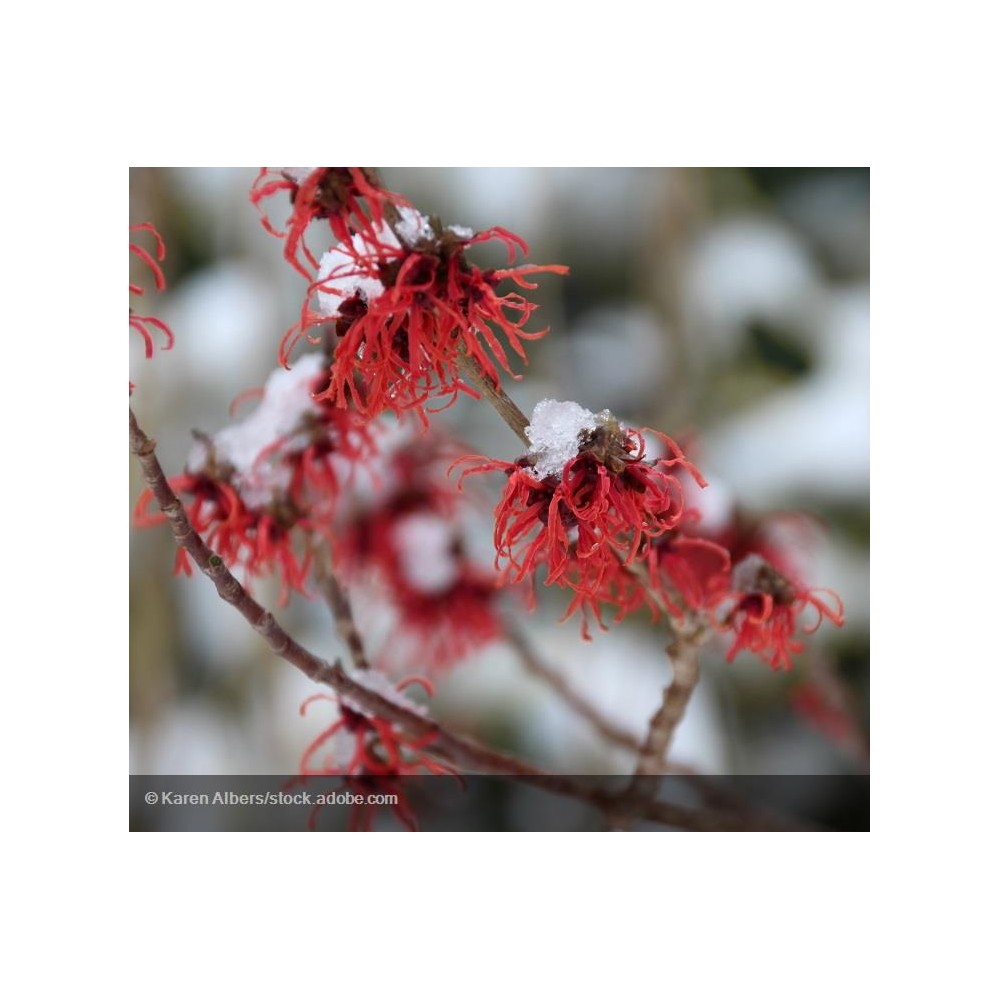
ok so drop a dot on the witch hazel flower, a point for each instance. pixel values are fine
(766, 609)
(745, 573)
(407, 308)
(695, 570)
(349, 199)
(410, 543)
(371, 753)
(146, 326)
(742, 574)
(261, 489)
(586, 503)
(446, 603)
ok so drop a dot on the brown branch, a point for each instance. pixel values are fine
(340, 607)
(536, 666)
(683, 653)
(463, 752)
(713, 794)
(512, 415)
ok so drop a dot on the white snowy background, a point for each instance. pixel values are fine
(729, 305)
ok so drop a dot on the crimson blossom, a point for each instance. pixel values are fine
(371, 753)
(350, 199)
(745, 575)
(695, 570)
(408, 309)
(264, 490)
(764, 609)
(145, 325)
(409, 538)
(586, 503)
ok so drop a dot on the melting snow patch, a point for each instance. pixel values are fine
(287, 399)
(554, 433)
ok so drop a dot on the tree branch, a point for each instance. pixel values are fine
(683, 653)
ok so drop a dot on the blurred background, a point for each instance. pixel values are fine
(726, 307)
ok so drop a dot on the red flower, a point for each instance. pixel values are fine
(696, 569)
(782, 538)
(370, 752)
(411, 538)
(745, 574)
(261, 542)
(586, 503)
(337, 194)
(765, 608)
(145, 325)
(438, 631)
(262, 490)
(406, 304)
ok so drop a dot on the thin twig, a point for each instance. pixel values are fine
(713, 794)
(340, 607)
(683, 653)
(512, 415)
(536, 666)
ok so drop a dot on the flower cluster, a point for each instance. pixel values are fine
(371, 753)
(146, 325)
(263, 490)
(408, 309)
(411, 537)
(586, 503)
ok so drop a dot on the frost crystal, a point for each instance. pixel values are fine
(287, 399)
(342, 277)
(424, 543)
(462, 232)
(554, 433)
